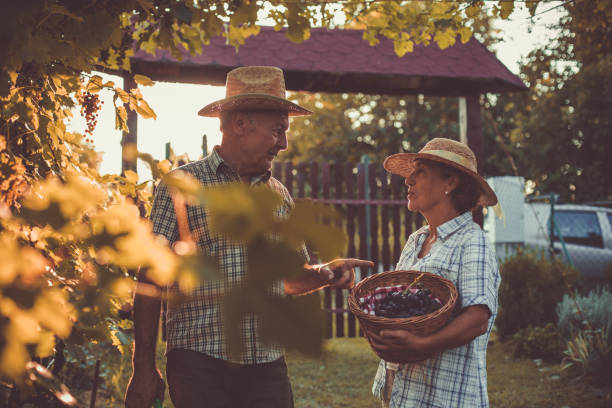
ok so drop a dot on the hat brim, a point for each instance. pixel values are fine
(253, 101)
(403, 165)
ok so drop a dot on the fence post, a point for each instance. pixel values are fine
(204, 145)
(552, 224)
(339, 298)
(365, 159)
(327, 298)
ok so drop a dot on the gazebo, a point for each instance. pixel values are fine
(341, 61)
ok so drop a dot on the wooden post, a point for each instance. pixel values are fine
(349, 179)
(327, 298)
(372, 176)
(130, 137)
(339, 298)
(94, 390)
(301, 180)
(398, 191)
(384, 218)
(474, 141)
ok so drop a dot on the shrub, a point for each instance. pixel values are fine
(531, 287)
(593, 310)
(585, 323)
(591, 350)
(538, 342)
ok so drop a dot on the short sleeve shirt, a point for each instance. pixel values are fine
(198, 324)
(458, 377)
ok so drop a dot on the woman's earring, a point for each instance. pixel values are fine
(446, 192)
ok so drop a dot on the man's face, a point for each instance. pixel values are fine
(264, 138)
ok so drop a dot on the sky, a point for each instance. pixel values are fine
(176, 105)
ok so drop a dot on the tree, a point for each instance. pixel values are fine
(71, 238)
(558, 133)
(346, 126)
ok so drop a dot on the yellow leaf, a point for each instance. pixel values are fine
(532, 5)
(24, 326)
(33, 266)
(95, 84)
(164, 166)
(143, 80)
(145, 110)
(473, 10)
(122, 94)
(440, 9)
(124, 288)
(54, 312)
(402, 46)
(465, 34)
(370, 37)
(13, 359)
(130, 151)
(45, 344)
(121, 118)
(131, 176)
(445, 38)
(507, 6)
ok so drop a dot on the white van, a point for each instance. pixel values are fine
(586, 231)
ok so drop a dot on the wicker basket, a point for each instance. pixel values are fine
(423, 325)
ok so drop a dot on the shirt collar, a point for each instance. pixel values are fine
(449, 226)
(217, 163)
(454, 224)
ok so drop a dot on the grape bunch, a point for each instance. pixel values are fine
(90, 106)
(407, 304)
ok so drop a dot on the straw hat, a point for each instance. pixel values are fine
(446, 151)
(254, 88)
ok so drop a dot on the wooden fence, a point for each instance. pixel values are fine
(374, 216)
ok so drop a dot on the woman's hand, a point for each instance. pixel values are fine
(401, 346)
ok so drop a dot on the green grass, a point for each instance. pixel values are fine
(342, 377)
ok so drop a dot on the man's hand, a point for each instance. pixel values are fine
(340, 273)
(144, 388)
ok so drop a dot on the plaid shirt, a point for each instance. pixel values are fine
(455, 378)
(198, 325)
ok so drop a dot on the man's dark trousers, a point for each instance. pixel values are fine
(198, 380)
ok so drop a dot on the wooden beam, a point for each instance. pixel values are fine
(474, 140)
(130, 137)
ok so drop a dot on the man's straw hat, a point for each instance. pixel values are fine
(260, 88)
(446, 151)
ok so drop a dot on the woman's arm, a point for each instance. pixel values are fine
(401, 345)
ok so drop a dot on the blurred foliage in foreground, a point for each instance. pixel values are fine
(70, 238)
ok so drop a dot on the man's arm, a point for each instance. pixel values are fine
(338, 274)
(146, 383)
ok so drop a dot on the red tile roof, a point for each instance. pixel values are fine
(341, 61)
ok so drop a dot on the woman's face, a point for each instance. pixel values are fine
(426, 188)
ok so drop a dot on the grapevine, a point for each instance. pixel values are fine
(90, 106)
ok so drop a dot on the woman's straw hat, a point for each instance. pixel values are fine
(446, 151)
(261, 88)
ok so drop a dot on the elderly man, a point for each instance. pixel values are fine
(254, 119)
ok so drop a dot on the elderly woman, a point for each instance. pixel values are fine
(443, 186)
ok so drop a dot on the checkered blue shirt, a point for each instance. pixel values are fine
(456, 378)
(198, 325)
